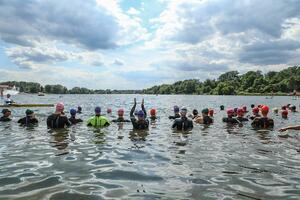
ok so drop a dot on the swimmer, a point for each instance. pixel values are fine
(240, 115)
(176, 113)
(153, 114)
(284, 114)
(120, 116)
(230, 119)
(297, 127)
(6, 115)
(73, 118)
(183, 123)
(141, 122)
(58, 118)
(204, 119)
(263, 122)
(29, 119)
(98, 121)
(255, 112)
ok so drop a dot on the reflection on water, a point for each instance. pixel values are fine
(210, 162)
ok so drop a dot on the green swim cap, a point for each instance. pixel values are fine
(28, 112)
(205, 111)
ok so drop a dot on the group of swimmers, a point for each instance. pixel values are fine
(139, 120)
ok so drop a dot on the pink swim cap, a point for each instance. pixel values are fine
(60, 107)
(121, 112)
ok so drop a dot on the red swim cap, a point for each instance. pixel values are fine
(283, 108)
(245, 108)
(285, 112)
(60, 107)
(109, 110)
(230, 111)
(240, 110)
(211, 112)
(121, 112)
(255, 110)
(152, 112)
(265, 109)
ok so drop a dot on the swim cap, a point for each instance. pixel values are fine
(230, 111)
(259, 106)
(60, 107)
(245, 108)
(108, 110)
(293, 107)
(195, 112)
(222, 107)
(140, 113)
(265, 109)
(73, 111)
(97, 110)
(252, 105)
(211, 112)
(121, 112)
(28, 112)
(5, 110)
(255, 110)
(176, 109)
(136, 112)
(152, 112)
(235, 110)
(283, 108)
(240, 110)
(205, 111)
(275, 110)
(183, 109)
(79, 108)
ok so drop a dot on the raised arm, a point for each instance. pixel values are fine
(133, 108)
(143, 108)
(290, 128)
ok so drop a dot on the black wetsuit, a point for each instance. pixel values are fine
(183, 124)
(153, 118)
(230, 120)
(120, 119)
(177, 115)
(5, 119)
(28, 121)
(207, 120)
(242, 119)
(57, 121)
(263, 122)
(73, 120)
(139, 124)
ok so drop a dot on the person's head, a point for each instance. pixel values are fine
(205, 112)
(259, 106)
(283, 108)
(29, 113)
(252, 106)
(8, 95)
(255, 111)
(176, 109)
(284, 114)
(183, 111)
(136, 112)
(288, 105)
(275, 110)
(6, 112)
(240, 112)
(73, 112)
(152, 112)
(293, 108)
(211, 112)
(230, 112)
(121, 112)
(97, 111)
(222, 107)
(79, 109)
(264, 110)
(195, 112)
(59, 107)
(235, 111)
(108, 110)
(141, 115)
(245, 109)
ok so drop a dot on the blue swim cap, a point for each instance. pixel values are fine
(141, 113)
(97, 109)
(176, 109)
(73, 111)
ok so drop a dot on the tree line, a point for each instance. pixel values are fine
(232, 83)
(229, 83)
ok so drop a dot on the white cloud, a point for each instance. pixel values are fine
(133, 11)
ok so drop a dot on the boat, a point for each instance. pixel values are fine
(6, 89)
(41, 94)
(26, 105)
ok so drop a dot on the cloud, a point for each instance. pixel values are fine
(118, 62)
(133, 11)
(86, 24)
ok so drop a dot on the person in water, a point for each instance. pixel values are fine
(195, 114)
(293, 108)
(222, 107)
(73, 118)
(6, 115)
(211, 112)
(255, 112)
(153, 114)
(8, 100)
(297, 127)
(141, 122)
(275, 110)
(263, 122)
(230, 117)
(284, 114)
(29, 120)
(240, 115)
(176, 113)
(205, 118)
(79, 109)
(98, 121)
(252, 106)
(58, 119)
(108, 110)
(120, 116)
(183, 123)
(245, 109)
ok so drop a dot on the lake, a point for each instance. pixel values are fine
(218, 162)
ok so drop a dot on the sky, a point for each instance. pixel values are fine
(135, 44)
